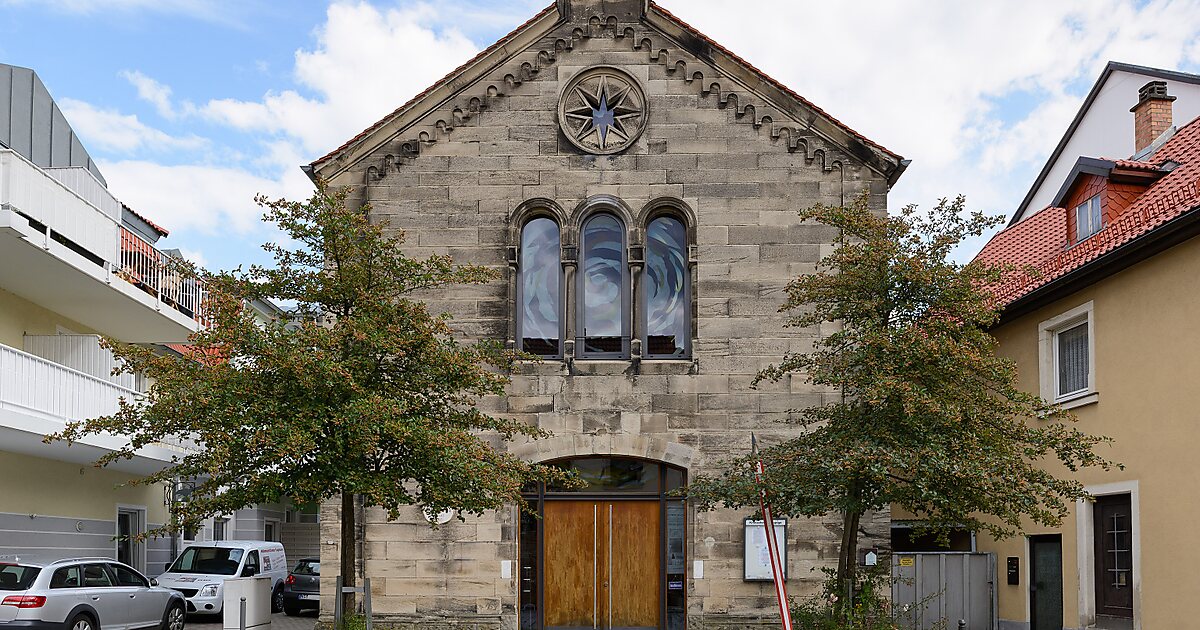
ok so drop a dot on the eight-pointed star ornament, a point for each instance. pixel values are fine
(603, 110)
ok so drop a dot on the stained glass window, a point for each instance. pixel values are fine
(667, 303)
(540, 288)
(603, 285)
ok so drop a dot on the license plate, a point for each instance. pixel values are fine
(303, 596)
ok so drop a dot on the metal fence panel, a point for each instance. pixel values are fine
(944, 590)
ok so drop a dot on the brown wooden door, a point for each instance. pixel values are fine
(602, 565)
(571, 536)
(1113, 524)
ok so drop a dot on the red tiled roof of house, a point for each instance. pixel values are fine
(1041, 240)
(156, 227)
(1134, 165)
(684, 25)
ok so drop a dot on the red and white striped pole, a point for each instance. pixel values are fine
(777, 572)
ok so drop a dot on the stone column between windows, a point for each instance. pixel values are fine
(569, 263)
(637, 263)
(514, 278)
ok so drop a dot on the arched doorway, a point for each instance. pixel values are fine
(608, 556)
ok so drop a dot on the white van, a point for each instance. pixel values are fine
(199, 572)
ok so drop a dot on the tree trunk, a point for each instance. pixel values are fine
(348, 546)
(847, 573)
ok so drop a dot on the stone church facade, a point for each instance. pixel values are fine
(638, 186)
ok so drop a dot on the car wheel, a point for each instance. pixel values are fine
(82, 622)
(277, 600)
(173, 620)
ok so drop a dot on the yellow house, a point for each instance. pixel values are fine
(1107, 328)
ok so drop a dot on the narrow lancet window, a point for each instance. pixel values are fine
(666, 291)
(540, 289)
(603, 283)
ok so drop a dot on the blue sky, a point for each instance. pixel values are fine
(193, 106)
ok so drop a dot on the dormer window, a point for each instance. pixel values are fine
(1088, 219)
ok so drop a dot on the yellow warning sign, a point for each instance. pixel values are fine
(907, 561)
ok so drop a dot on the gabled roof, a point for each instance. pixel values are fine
(1109, 69)
(527, 34)
(1041, 240)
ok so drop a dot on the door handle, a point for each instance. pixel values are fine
(95, 598)
(132, 596)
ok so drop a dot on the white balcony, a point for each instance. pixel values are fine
(38, 397)
(67, 254)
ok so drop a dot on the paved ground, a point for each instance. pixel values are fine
(279, 621)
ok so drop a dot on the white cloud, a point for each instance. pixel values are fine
(367, 62)
(110, 130)
(200, 199)
(194, 257)
(976, 94)
(925, 78)
(157, 94)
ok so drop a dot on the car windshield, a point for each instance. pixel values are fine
(209, 560)
(17, 577)
(308, 567)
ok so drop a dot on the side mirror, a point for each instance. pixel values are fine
(249, 572)
(166, 567)
(153, 582)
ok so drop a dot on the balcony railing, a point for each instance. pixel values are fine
(66, 216)
(155, 273)
(63, 394)
(40, 385)
(83, 353)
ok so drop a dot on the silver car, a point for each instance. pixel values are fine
(83, 594)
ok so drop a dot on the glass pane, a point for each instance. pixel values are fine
(674, 479)
(603, 285)
(1073, 360)
(1097, 218)
(528, 545)
(666, 280)
(613, 475)
(541, 286)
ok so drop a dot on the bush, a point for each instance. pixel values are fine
(870, 607)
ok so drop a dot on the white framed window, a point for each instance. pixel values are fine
(1068, 357)
(1088, 218)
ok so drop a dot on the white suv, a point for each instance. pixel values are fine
(83, 594)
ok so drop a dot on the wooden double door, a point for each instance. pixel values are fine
(602, 565)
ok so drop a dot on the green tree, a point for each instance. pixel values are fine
(930, 418)
(359, 391)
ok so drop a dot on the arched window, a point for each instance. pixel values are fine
(539, 289)
(666, 291)
(604, 289)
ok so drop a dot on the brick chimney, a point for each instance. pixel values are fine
(1152, 114)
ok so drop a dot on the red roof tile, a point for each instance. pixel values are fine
(1134, 165)
(156, 227)
(1040, 241)
(666, 14)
